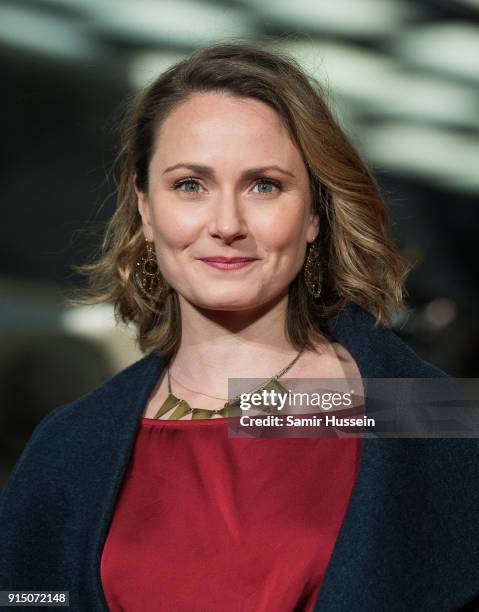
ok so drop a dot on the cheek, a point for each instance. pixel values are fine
(284, 237)
(172, 228)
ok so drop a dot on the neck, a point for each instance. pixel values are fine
(217, 345)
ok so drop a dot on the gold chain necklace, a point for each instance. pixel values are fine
(230, 408)
(194, 390)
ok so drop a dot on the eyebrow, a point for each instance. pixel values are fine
(209, 172)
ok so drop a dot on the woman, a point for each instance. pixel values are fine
(250, 241)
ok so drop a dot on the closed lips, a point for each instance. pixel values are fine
(227, 259)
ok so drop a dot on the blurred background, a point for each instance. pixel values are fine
(403, 77)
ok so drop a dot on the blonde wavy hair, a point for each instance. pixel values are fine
(359, 262)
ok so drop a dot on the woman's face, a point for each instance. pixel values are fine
(225, 180)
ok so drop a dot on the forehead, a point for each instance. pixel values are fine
(213, 125)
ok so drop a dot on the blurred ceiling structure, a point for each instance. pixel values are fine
(404, 74)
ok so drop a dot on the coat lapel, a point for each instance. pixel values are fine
(402, 546)
(123, 403)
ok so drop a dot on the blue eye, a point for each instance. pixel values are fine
(192, 185)
(187, 182)
(270, 183)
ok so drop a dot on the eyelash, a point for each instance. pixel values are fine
(184, 181)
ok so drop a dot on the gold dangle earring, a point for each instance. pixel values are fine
(148, 276)
(312, 271)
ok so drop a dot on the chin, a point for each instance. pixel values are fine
(223, 302)
(226, 305)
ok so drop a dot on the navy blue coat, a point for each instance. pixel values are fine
(409, 541)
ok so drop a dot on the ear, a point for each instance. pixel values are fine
(313, 227)
(144, 210)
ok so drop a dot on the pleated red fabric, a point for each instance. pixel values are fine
(205, 522)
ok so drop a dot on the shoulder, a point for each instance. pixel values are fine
(377, 349)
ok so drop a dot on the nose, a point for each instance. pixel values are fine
(227, 221)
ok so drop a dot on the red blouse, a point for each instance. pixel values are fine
(205, 522)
